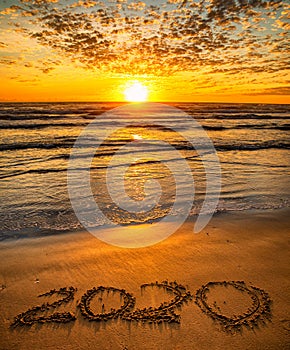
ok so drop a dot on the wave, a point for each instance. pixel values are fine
(13, 173)
(41, 126)
(24, 117)
(54, 110)
(48, 116)
(91, 115)
(216, 127)
(98, 167)
(34, 145)
(26, 111)
(245, 126)
(230, 115)
(68, 143)
(254, 147)
(46, 171)
(285, 127)
(70, 225)
(33, 160)
(238, 147)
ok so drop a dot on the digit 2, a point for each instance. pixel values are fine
(165, 312)
(30, 317)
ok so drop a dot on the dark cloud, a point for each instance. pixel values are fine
(134, 37)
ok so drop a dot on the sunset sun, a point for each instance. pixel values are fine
(136, 92)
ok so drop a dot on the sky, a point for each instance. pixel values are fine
(181, 50)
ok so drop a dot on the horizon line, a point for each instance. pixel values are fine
(162, 102)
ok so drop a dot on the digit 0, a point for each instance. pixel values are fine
(84, 305)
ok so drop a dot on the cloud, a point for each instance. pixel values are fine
(7, 61)
(133, 37)
(281, 90)
(85, 4)
(3, 45)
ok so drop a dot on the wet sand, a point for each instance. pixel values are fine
(224, 288)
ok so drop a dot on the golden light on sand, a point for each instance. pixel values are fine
(136, 92)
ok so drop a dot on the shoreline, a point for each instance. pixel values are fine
(31, 233)
(250, 247)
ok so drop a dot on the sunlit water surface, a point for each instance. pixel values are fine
(252, 143)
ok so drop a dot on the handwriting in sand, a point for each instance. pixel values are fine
(258, 311)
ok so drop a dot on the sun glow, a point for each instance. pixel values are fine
(137, 137)
(136, 92)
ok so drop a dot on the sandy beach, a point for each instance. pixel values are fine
(249, 247)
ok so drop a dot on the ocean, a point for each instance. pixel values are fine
(251, 141)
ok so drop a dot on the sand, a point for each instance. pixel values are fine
(250, 247)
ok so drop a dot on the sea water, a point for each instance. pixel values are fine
(251, 140)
